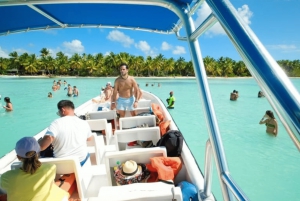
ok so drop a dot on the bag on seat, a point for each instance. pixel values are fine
(173, 141)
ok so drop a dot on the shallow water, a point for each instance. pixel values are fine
(265, 167)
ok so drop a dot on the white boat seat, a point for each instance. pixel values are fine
(134, 122)
(139, 155)
(143, 134)
(98, 148)
(86, 176)
(156, 191)
(99, 125)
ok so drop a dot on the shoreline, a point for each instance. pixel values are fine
(74, 77)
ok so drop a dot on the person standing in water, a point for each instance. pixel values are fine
(9, 106)
(271, 123)
(171, 101)
(70, 90)
(75, 92)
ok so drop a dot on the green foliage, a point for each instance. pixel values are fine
(108, 65)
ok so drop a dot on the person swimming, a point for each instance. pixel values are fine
(9, 106)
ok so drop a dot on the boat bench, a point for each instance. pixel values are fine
(134, 122)
(97, 148)
(122, 137)
(139, 155)
(89, 179)
(157, 191)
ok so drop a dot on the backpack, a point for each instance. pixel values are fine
(173, 141)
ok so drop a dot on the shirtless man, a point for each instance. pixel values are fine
(127, 89)
(70, 90)
(75, 91)
(108, 91)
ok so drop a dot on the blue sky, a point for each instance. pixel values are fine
(275, 22)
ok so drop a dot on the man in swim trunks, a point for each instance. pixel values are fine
(70, 90)
(75, 91)
(127, 89)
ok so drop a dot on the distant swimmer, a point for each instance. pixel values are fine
(146, 84)
(234, 95)
(75, 92)
(49, 95)
(70, 90)
(158, 84)
(260, 94)
(171, 100)
(270, 122)
(65, 82)
(9, 106)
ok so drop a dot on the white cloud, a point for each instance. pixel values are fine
(179, 50)
(30, 44)
(20, 51)
(204, 11)
(53, 52)
(120, 37)
(166, 46)
(107, 53)
(3, 53)
(72, 47)
(146, 48)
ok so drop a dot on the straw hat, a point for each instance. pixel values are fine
(131, 172)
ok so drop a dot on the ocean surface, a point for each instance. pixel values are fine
(264, 166)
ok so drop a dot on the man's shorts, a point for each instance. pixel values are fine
(125, 103)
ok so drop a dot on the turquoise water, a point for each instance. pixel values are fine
(265, 167)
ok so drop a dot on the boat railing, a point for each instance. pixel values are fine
(226, 178)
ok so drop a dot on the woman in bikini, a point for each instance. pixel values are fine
(9, 106)
(271, 123)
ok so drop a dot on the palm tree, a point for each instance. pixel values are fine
(62, 63)
(209, 64)
(31, 63)
(76, 62)
(14, 60)
(168, 66)
(136, 64)
(227, 65)
(180, 64)
(99, 59)
(149, 65)
(4, 62)
(158, 63)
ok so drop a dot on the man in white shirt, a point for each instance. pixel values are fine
(68, 134)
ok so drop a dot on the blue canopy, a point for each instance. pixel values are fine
(17, 16)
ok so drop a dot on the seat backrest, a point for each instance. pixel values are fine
(144, 103)
(97, 124)
(139, 155)
(95, 144)
(133, 122)
(66, 166)
(101, 124)
(157, 191)
(143, 134)
(109, 115)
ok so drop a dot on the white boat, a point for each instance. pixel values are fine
(171, 15)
